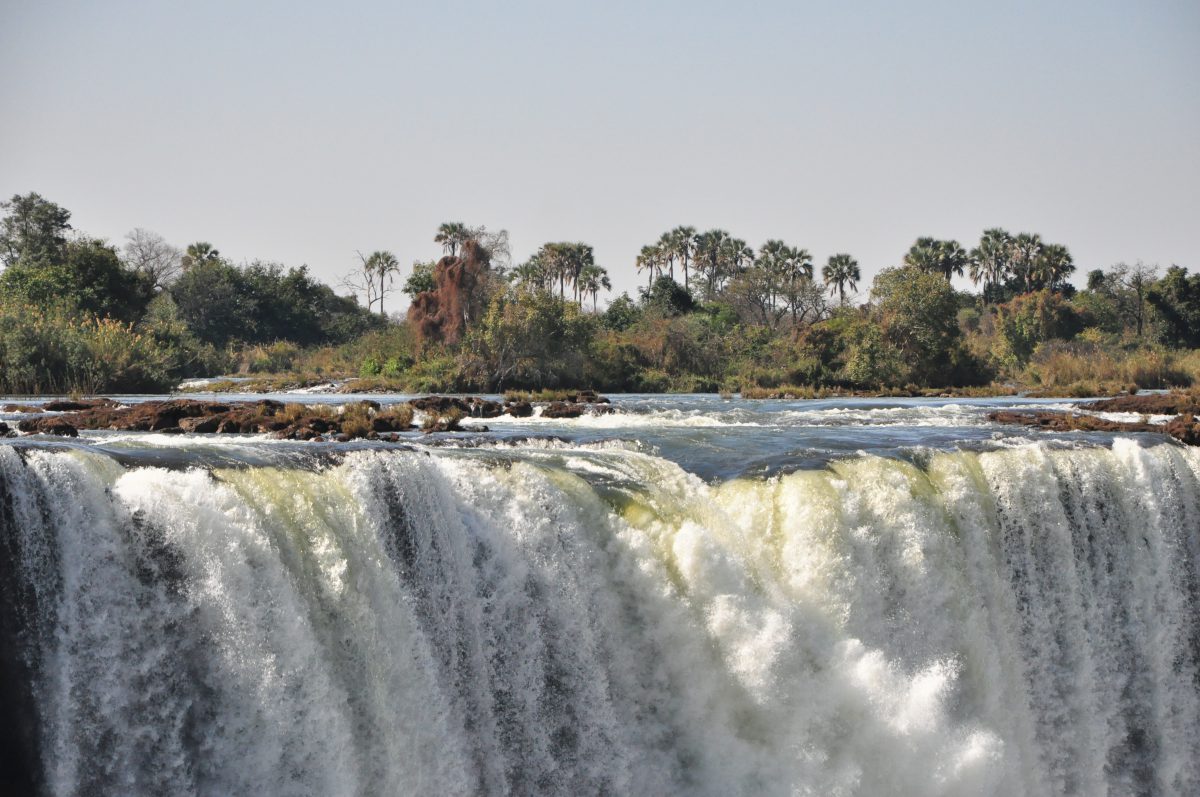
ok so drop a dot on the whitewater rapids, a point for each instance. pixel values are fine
(596, 620)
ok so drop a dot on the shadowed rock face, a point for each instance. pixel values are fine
(441, 315)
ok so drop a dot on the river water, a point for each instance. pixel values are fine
(691, 595)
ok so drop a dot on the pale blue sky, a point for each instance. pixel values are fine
(301, 132)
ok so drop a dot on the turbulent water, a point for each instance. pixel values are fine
(608, 613)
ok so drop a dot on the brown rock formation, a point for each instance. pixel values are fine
(441, 315)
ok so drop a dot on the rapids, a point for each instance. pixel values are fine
(592, 616)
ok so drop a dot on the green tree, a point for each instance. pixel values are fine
(33, 229)
(1031, 319)
(947, 258)
(667, 298)
(87, 275)
(1176, 299)
(840, 271)
(918, 315)
(621, 314)
(420, 280)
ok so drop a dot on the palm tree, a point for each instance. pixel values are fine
(648, 260)
(683, 243)
(1053, 266)
(992, 259)
(593, 279)
(797, 270)
(666, 247)
(533, 273)
(708, 248)
(1025, 250)
(383, 266)
(937, 257)
(199, 252)
(451, 235)
(840, 271)
(772, 261)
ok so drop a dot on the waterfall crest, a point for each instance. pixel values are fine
(598, 621)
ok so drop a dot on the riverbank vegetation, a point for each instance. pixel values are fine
(82, 315)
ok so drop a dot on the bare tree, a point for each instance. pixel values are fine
(149, 253)
(361, 281)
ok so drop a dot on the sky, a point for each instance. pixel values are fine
(303, 132)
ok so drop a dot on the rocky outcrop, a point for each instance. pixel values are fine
(1184, 428)
(518, 409)
(470, 406)
(50, 424)
(72, 405)
(1174, 403)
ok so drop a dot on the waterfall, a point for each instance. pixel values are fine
(595, 620)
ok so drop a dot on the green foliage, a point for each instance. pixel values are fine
(667, 298)
(52, 349)
(529, 339)
(1031, 319)
(32, 231)
(420, 280)
(273, 358)
(87, 276)
(918, 315)
(1176, 299)
(622, 313)
(263, 303)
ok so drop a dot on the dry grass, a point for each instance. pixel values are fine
(399, 414)
(1073, 370)
(538, 395)
(445, 422)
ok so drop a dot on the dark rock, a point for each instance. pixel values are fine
(49, 425)
(471, 406)
(561, 409)
(71, 405)
(342, 438)
(5, 431)
(519, 409)
(206, 425)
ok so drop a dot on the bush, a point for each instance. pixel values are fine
(52, 350)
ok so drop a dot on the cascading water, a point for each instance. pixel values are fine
(595, 620)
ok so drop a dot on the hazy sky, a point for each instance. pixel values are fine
(301, 132)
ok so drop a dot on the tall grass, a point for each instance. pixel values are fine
(51, 350)
(1081, 368)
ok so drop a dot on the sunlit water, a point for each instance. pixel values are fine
(690, 596)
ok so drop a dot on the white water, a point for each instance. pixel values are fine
(1018, 622)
